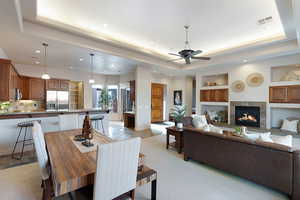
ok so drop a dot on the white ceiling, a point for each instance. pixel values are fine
(158, 25)
(21, 48)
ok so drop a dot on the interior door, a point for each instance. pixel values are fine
(157, 102)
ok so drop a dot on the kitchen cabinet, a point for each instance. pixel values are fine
(57, 84)
(37, 89)
(285, 94)
(9, 80)
(214, 95)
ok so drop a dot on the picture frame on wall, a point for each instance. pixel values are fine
(177, 97)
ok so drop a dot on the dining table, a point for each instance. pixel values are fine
(73, 165)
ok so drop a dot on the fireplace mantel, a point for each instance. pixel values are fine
(261, 105)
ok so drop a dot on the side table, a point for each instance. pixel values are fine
(178, 134)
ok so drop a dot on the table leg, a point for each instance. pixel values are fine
(178, 143)
(153, 190)
(167, 140)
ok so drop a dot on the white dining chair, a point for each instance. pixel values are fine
(68, 122)
(117, 167)
(42, 156)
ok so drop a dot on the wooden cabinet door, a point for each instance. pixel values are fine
(278, 94)
(64, 85)
(52, 84)
(221, 95)
(157, 102)
(293, 94)
(13, 83)
(36, 89)
(205, 95)
(24, 87)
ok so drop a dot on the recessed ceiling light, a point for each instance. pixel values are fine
(245, 61)
(71, 67)
(37, 51)
(104, 25)
(37, 62)
(81, 59)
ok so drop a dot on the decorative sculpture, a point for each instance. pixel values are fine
(87, 131)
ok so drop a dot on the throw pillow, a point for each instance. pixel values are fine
(215, 129)
(283, 140)
(265, 138)
(254, 135)
(199, 121)
(291, 126)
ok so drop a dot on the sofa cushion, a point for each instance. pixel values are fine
(255, 135)
(283, 140)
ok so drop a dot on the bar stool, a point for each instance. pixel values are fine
(23, 142)
(95, 122)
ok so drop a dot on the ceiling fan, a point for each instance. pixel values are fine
(187, 53)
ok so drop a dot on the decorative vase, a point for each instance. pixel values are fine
(179, 125)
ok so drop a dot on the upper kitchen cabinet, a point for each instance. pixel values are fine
(37, 89)
(57, 84)
(9, 80)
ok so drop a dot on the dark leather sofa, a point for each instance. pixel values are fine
(272, 165)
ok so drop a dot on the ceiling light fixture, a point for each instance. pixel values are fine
(45, 75)
(245, 61)
(37, 51)
(104, 25)
(91, 81)
(37, 62)
(81, 59)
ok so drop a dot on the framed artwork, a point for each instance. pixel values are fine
(178, 97)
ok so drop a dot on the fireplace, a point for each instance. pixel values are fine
(247, 116)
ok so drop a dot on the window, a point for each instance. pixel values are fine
(113, 97)
(97, 91)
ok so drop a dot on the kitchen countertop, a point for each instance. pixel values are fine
(41, 113)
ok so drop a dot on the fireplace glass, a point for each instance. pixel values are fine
(247, 116)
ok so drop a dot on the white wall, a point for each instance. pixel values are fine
(240, 72)
(2, 54)
(185, 84)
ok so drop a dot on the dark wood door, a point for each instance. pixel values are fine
(278, 94)
(132, 90)
(37, 89)
(157, 102)
(293, 94)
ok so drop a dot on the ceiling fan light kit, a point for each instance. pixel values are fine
(187, 53)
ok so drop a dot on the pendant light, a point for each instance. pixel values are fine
(45, 74)
(91, 81)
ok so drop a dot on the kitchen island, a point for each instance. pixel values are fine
(49, 121)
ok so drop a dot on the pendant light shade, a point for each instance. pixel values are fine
(45, 74)
(91, 81)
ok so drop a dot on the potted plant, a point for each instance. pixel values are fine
(178, 113)
(104, 99)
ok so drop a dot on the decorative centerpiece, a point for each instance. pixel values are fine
(87, 131)
(178, 113)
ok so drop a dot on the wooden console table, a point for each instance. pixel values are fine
(178, 134)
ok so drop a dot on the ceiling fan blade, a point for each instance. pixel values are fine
(175, 59)
(201, 58)
(187, 60)
(196, 52)
(173, 54)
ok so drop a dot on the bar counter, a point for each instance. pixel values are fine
(48, 113)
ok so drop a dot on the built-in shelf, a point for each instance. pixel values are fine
(284, 105)
(215, 80)
(215, 103)
(286, 73)
(214, 87)
(284, 83)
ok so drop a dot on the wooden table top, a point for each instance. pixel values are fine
(174, 128)
(70, 168)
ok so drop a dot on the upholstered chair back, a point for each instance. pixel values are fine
(117, 166)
